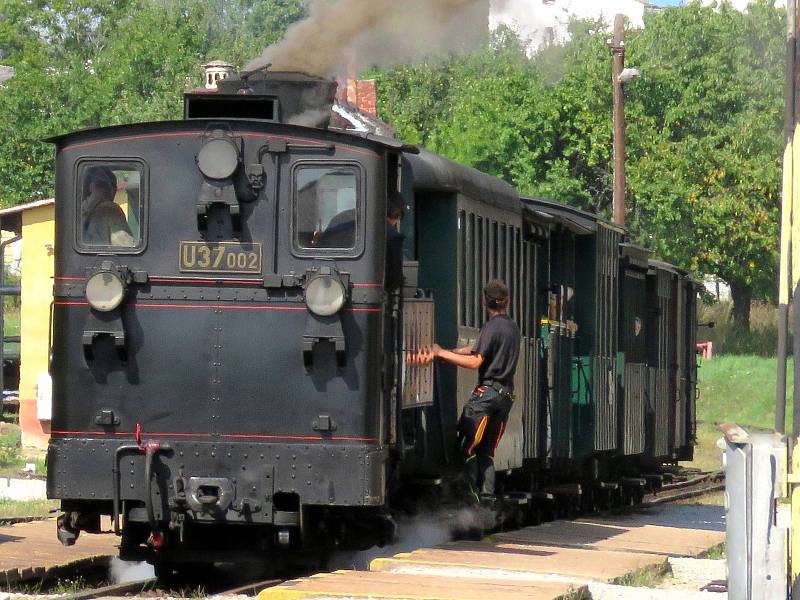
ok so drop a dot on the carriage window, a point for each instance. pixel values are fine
(110, 197)
(326, 208)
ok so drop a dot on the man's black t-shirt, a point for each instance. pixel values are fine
(498, 344)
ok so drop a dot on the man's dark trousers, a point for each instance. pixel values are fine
(480, 428)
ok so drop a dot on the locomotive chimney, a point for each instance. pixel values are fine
(216, 70)
(283, 97)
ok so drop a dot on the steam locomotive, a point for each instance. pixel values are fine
(232, 380)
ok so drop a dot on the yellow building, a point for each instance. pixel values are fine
(35, 223)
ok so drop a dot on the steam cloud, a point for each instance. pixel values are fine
(422, 531)
(345, 36)
(125, 571)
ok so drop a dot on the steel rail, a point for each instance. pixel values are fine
(24, 519)
(119, 589)
(706, 483)
(251, 589)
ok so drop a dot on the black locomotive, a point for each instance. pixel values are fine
(232, 380)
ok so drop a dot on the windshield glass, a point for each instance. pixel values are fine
(326, 207)
(110, 205)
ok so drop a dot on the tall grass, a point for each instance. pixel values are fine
(740, 389)
(760, 340)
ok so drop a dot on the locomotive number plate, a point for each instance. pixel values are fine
(220, 257)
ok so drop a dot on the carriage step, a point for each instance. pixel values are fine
(518, 498)
(654, 479)
(567, 489)
(633, 482)
(606, 485)
(543, 496)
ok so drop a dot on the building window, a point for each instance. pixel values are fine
(326, 208)
(110, 202)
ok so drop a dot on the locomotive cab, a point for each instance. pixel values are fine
(219, 301)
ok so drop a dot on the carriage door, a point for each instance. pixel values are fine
(531, 355)
(567, 387)
(633, 336)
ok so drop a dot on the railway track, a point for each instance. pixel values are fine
(4, 521)
(693, 487)
(684, 485)
(130, 588)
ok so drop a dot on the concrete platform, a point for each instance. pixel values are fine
(31, 550)
(563, 559)
(390, 586)
(531, 563)
(616, 535)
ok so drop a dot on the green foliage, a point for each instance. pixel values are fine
(70, 585)
(718, 552)
(704, 129)
(9, 448)
(705, 169)
(650, 576)
(89, 63)
(704, 121)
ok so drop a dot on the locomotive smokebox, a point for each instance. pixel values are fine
(281, 97)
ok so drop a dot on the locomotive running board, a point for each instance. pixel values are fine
(566, 489)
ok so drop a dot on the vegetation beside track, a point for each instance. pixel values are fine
(648, 577)
(13, 458)
(738, 389)
(26, 508)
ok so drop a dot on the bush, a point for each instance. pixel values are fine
(9, 456)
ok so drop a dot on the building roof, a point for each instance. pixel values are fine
(355, 119)
(11, 218)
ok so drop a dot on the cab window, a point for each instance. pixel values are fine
(326, 207)
(110, 205)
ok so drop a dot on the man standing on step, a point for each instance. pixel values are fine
(485, 414)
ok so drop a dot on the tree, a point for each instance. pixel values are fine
(88, 63)
(704, 130)
(705, 157)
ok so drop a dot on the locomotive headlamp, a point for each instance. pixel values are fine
(325, 295)
(105, 291)
(218, 158)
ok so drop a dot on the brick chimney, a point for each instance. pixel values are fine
(362, 94)
(367, 96)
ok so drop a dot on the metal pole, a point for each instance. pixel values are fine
(786, 220)
(618, 54)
